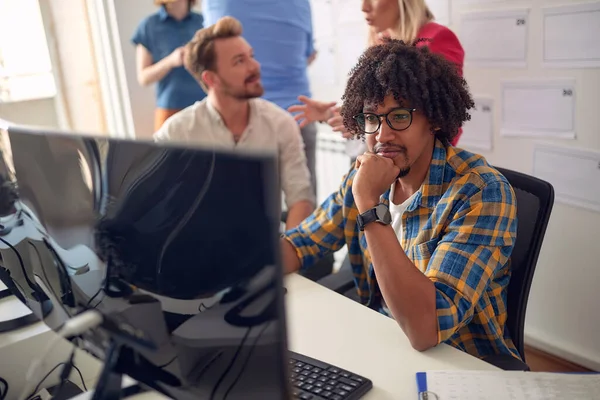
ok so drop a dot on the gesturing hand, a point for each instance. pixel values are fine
(337, 123)
(311, 110)
(375, 175)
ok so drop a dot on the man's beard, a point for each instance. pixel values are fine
(403, 172)
(244, 93)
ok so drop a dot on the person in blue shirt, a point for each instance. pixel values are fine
(280, 32)
(159, 40)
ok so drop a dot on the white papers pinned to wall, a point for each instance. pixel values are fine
(495, 38)
(478, 133)
(571, 36)
(574, 173)
(538, 108)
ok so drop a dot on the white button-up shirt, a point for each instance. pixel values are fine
(270, 128)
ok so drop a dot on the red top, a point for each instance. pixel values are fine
(444, 42)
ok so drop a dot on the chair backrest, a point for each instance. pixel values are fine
(535, 199)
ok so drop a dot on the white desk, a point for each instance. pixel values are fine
(329, 327)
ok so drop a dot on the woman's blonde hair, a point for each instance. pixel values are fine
(413, 15)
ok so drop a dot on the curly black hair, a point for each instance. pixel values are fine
(429, 82)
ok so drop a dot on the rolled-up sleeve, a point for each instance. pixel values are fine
(322, 233)
(473, 252)
(295, 176)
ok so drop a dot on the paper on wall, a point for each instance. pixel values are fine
(495, 38)
(479, 131)
(538, 108)
(574, 173)
(570, 36)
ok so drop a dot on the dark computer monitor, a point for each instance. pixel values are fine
(177, 247)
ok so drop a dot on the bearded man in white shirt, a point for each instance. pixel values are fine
(233, 116)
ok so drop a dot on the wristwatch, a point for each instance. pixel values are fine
(380, 213)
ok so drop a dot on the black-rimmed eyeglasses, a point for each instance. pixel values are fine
(398, 119)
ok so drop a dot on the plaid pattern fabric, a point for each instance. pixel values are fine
(459, 230)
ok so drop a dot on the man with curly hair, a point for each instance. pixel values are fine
(429, 227)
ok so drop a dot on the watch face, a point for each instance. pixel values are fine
(383, 214)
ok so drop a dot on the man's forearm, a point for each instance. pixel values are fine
(408, 293)
(298, 213)
(291, 263)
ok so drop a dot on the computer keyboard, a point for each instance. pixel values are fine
(315, 380)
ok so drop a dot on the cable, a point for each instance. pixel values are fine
(3, 388)
(237, 378)
(63, 377)
(74, 327)
(235, 356)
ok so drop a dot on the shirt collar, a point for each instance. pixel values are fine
(214, 114)
(430, 192)
(164, 15)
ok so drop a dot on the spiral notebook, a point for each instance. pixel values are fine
(506, 385)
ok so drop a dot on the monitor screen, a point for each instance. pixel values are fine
(176, 246)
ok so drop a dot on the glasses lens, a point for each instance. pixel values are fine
(369, 123)
(399, 119)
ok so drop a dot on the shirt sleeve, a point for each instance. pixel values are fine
(295, 176)
(446, 43)
(322, 233)
(473, 252)
(142, 36)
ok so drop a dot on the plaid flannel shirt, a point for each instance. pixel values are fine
(459, 230)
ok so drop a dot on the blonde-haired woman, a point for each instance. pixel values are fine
(159, 41)
(408, 20)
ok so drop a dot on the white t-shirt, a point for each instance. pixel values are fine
(396, 211)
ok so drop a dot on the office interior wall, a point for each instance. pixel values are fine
(77, 104)
(562, 316)
(116, 21)
(34, 112)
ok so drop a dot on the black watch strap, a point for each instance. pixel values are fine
(380, 213)
(366, 218)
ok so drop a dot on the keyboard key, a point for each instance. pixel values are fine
(357, 379)
(336, 397)
(327, 394)
(349, 382)
(341, 392)
(306, 396)
(346, 388)
(334, 370)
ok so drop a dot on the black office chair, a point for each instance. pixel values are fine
(535, 199)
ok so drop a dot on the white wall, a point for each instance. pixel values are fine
(562, 315)
(35, 112)
(115, 22)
